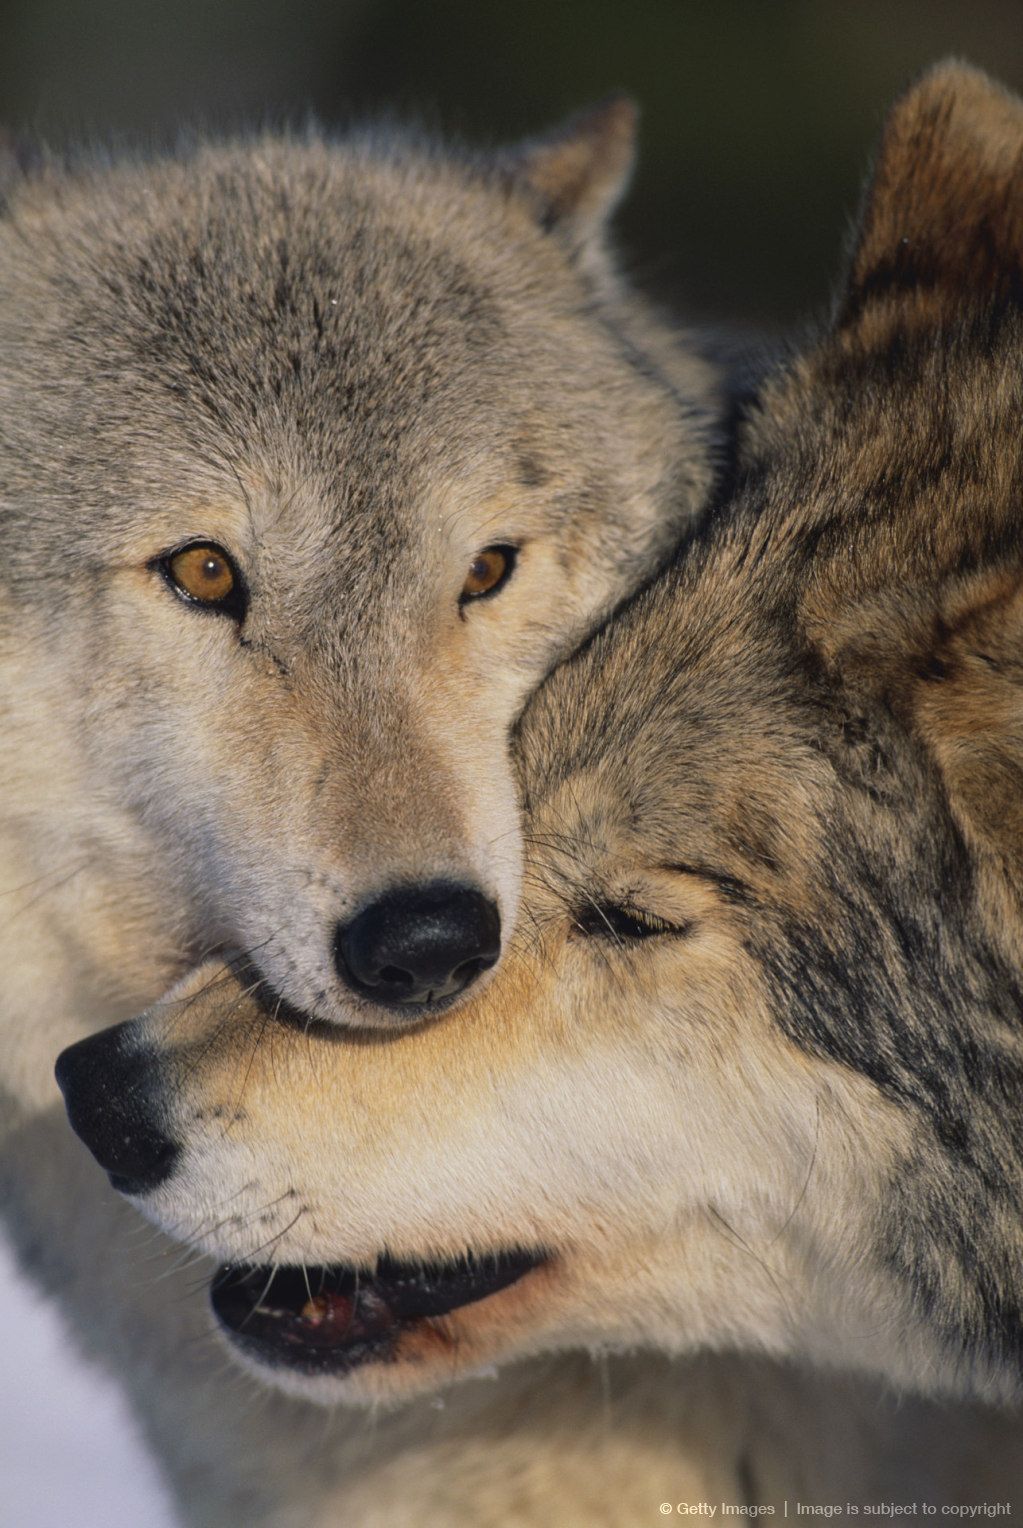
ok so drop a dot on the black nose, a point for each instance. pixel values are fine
(419, 944)
(111, 1091)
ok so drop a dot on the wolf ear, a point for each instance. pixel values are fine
(943, 220)
(576, 175)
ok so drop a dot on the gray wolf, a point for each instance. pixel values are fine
(326, 452)
(314, 457)
(750, 1075)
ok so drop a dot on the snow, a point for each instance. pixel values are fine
(69, 1453)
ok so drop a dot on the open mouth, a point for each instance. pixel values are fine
(321, 1320)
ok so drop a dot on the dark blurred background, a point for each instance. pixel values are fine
(758, 115)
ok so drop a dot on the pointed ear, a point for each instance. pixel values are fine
(576, 175)
(943, 221)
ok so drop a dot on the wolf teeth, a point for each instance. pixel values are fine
(323, 1310)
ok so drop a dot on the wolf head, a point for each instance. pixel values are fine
(314, 457)
(751, 1075)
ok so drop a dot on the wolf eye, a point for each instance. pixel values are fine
(488, 572)
(606, 920)
(202, 573)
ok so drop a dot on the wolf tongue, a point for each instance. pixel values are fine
(394, 1293)
(334, 1318)
(381, 1300)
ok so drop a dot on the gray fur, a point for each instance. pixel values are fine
(354, 363)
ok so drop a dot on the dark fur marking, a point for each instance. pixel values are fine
(530, 470)
(265, 652)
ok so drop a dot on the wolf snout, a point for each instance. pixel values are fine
(418, 945)
(111, 1089)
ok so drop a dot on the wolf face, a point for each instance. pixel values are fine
(314, 458)
(751, 1074)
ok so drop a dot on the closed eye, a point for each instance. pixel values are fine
(609, 920)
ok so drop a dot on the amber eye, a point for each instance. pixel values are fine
(489, 571)
(203, 573)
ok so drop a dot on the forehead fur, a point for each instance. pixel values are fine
(351, 312)
(654, 724)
